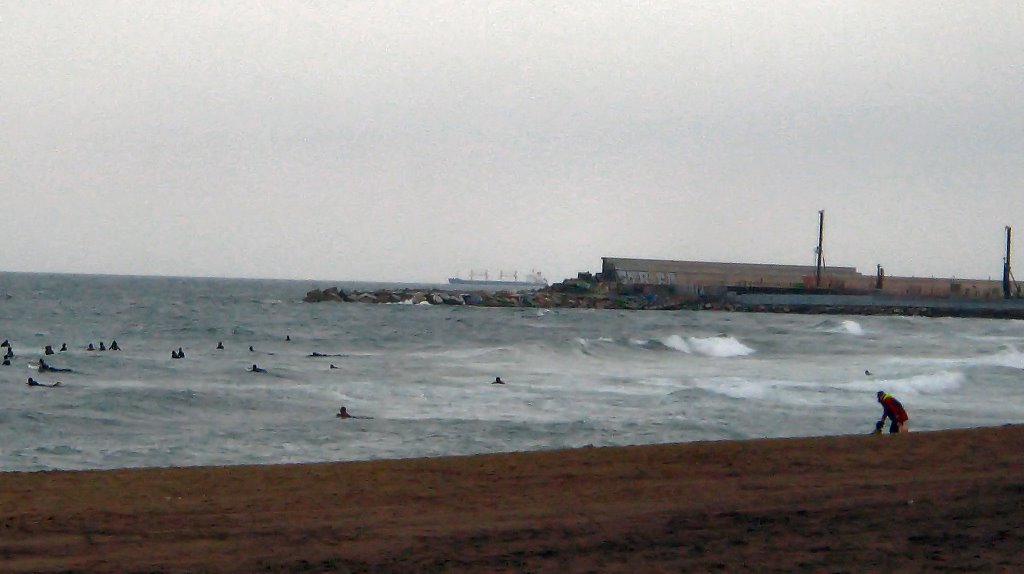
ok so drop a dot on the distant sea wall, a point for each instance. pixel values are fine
(526, 298)
(575, 294)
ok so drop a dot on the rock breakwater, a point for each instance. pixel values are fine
(585, 294)
(546, 298)
(582, 293)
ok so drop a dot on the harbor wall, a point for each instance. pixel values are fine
(701, 275)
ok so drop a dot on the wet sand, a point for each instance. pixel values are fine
(942, 501)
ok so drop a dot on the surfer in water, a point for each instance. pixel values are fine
(343, 414)
(893, 410)
(256, 369)
(497, 381)
(34, 383)
(113, 346)
(48, 350)
(220, 345)
(43, 368)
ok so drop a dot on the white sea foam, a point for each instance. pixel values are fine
(721, 346)
(921, 384)
(676, 342)
(852, 327)
(736, 388)
(718, 347)
(1008, 357)
(845, 327)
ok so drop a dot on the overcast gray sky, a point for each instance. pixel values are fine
(410, 141)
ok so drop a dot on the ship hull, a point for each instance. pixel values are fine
(459, 281)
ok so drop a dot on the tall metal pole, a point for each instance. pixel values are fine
(1006, 266)
(821, 238)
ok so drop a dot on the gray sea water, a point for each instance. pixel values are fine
(574, 377)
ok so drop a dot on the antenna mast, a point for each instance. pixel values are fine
(1006, 266)
(821, 237)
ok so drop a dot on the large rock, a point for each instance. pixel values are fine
(450, 299)
(317, 296)
(332, 294)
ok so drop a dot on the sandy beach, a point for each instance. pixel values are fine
(939, 501)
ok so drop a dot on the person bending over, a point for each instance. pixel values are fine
(893, 410)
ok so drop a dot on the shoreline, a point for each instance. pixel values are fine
(938, 500)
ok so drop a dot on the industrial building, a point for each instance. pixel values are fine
(703, 276)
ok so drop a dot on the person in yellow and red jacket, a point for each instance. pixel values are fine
(893, 410)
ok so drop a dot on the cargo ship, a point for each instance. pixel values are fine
(532, 279)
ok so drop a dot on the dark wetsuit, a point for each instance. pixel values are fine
(43, 368)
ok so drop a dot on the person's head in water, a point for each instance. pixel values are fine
(251, 349)
(498, 381)
(343, 413)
